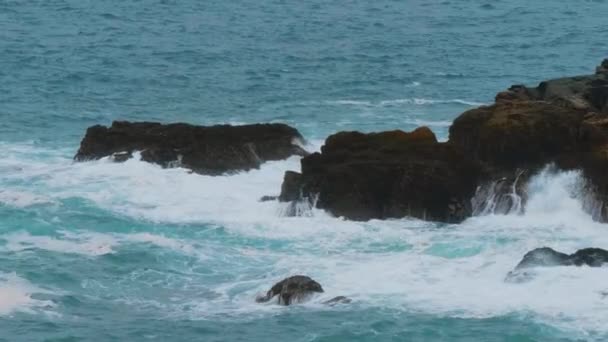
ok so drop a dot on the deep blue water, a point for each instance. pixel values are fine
(130, 252)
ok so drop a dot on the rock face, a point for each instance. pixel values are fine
(511, 135)
(212, 150)
(588, 92)
(563, 122)
(547, 257)
(385, 175)
(292, 290)
(483, 168)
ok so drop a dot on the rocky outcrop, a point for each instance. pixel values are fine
(212, 150)
(588, 92)
(387, 175)
(547, 257)
(483, 168)
(519, 134)
(292, 290)
(562, 122)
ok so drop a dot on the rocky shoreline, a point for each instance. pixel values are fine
(393, 174)
(208, 150)
(483, 167)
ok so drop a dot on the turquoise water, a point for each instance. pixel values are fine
(103, 252)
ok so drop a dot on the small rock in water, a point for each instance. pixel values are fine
(338, 300)
(208, 150)
(268, 198)
(292, 290)
(544, 257)
(548, 257)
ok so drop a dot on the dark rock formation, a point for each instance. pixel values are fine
(511, 135)
(483, 168)
(209, 150)
(506, 194)
(384, 175)
(563, 122)
(292, 290)
(547, 257)
(588, 92)
(543, 257)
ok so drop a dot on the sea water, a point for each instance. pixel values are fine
(99, 251)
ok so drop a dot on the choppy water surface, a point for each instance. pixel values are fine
(103, 251)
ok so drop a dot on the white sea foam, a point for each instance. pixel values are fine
(23, 199)
(454, 270)
(91, 244)
(457, 270)
(181, 246)
(16, 295)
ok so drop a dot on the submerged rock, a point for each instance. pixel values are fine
(386, 175)
(338, 300)
(211, 150)
(544, 257)
(292, 290)
(548, 257)
(563, 122)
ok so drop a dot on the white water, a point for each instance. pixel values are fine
(16, 295)
(455, 270)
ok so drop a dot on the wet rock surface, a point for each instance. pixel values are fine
(210, 150)
(548, 257)
(388, 174)
(292, 290)
(491, 153)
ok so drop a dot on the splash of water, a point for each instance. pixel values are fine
(454, 270)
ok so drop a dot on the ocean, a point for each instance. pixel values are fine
(99, 251)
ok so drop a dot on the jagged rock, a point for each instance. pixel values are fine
(292, 290)
(211, 150)
(527, 135)
(521, 134)
(547, 257)
(491, 152)
(387, 175)
(544, 257)
(587, 92)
